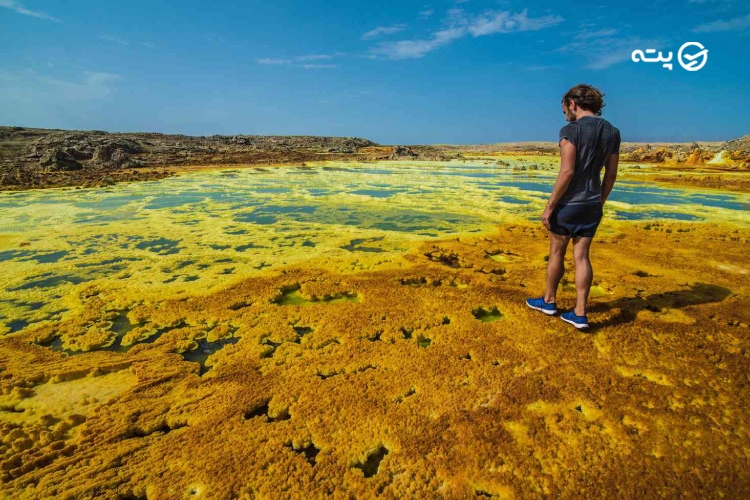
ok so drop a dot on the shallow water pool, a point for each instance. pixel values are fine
(206, 228)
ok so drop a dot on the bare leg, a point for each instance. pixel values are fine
(584, 272)
(555, 265)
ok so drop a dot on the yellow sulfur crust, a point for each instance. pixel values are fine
(359, 331)
(426, 377)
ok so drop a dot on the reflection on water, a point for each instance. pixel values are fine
(655, 214)
(201, 229)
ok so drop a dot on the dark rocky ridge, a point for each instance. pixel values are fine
(31, 158)
(38, 158)
(741, 145)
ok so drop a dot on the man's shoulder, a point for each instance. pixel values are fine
(614, 136)
(569, 132)
(609, 124)
(568, 128)
(569, 125)
(614, 131)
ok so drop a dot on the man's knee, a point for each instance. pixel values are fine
(581, 247)
(581, 257)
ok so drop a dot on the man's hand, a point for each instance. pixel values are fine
(546, 216)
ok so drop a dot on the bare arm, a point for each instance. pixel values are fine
(567, 169)
(610, 174)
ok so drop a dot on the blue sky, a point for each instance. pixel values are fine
(394, 72)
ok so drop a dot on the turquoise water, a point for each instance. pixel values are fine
(251, 194)
(206, 227)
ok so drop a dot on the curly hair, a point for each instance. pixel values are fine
(586, 97)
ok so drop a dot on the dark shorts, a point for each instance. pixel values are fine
(576, 220)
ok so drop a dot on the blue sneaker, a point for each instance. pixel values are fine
(540, 305)
(575, 320)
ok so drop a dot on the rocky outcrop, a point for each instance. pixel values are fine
(740, 145)
(83, 145)
(35, 153)
(121, 159)
(738, 151)
(416, 152)
(102, 154)
(102, 149)
(692, 155)
(402, 153)
(106, 156)
(734, 153)
(58, 159)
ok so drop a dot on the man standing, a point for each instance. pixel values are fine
(574, 210)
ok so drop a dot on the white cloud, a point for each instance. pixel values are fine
(124, 41)
(414, 49)
(505, 22)
(307, 59)
(55, 98)
(586, 35)
(458, 25)
(541, 67)
(735, 24)
(268, 60)
(93, 85)
(43, 88)
(316, 66)
(314, 57)
(114, 39)
(383, 30)
(426, 13)
(100, 78)
(18, 7)
(601, 50)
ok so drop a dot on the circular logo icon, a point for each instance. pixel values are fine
(692, 62)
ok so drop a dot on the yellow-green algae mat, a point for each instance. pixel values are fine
(423, 375)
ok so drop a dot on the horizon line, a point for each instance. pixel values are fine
(516, 141)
